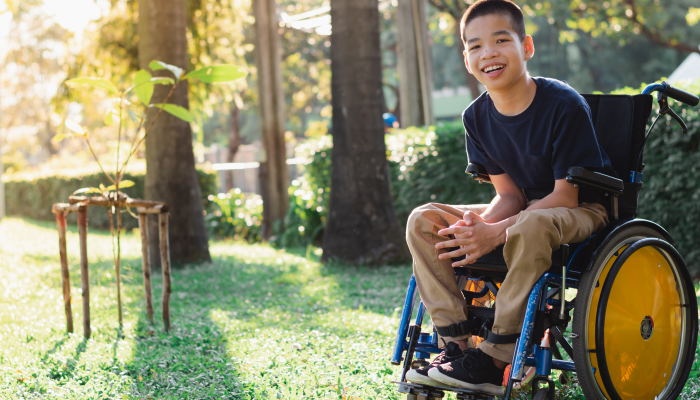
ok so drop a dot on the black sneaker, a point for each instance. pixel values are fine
(420, 375)
(475, 371)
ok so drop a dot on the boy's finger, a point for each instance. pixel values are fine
(452, 254)
(452, 243)
(453, 229)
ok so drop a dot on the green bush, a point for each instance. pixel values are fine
(426, 165)
(34, 198)
(429, 166)
(308, 197)
(237, 215)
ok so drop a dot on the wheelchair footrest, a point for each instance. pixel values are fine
(425, 392)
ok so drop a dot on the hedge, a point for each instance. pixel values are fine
(33, 198)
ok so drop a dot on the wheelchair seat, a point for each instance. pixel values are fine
(493, 264)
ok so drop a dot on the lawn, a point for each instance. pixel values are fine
(256, 323)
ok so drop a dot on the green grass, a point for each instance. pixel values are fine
(257, 323)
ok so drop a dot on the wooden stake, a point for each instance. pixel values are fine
(65, 274)
(84, 272)
(117, 262)
(143, 227)
(165, 265)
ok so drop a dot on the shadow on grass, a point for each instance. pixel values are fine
(233, 318)
(248, 325)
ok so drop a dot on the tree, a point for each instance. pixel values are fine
(456, 8)
(32, 63)
(170, 175)
(273, 174)
(362, 225)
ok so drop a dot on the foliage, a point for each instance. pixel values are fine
(667, 24)
(33, 197)
(33, 56)
(237, 216)
(671, 192)
(426, 165)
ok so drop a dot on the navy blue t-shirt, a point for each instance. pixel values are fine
(539, 145)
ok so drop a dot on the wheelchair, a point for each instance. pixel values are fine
(635, 314)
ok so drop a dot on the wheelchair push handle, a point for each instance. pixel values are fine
(667, 90)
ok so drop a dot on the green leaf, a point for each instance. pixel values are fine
(143, 91)
(158, 65)
(111, 117)
(75, 127)
(123, 184)
(97, 82)
(102, 187)
(58, 137)
(217, 73)
(88, 190)
(135, 116)
(176, 110)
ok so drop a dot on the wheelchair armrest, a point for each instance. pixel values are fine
(606, 183)
(478, 172)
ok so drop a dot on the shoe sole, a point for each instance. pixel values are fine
(415, 377)
(483, 387)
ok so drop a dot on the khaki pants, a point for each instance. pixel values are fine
(528, 254)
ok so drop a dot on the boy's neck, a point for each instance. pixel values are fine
(516, 98)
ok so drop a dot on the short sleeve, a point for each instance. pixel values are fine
(575, 144)
(475, 151)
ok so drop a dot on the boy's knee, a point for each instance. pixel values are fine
(418, 215)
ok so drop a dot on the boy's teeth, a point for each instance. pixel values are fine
(493, 68)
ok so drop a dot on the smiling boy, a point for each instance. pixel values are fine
(527, 132)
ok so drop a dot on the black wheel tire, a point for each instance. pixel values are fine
(542, 394)
(588, 282)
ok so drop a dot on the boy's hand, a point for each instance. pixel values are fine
(474, 237)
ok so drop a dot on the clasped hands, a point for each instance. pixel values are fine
(474, 237)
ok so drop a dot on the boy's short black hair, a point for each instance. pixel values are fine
(505, 8)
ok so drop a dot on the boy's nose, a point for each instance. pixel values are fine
(489, 54)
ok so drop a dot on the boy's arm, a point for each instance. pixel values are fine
(509, 200)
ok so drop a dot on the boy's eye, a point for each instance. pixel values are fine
(474, 47)
(501, 40)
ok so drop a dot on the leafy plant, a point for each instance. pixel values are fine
(238, 216)
(142, 89)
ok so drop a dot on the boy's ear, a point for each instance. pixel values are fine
(529, 47)
(466, 62)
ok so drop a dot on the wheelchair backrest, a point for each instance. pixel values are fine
(620, 122)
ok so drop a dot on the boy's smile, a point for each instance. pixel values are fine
(492, 70)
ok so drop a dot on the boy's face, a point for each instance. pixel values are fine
(493, 53)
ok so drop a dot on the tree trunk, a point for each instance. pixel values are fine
(362, 226)
(171, 177)
(273, 167)
(234, 141)
(472, 83)
(415, 64)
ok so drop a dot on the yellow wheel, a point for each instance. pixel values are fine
(636, 318)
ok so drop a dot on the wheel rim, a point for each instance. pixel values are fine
(643, 325)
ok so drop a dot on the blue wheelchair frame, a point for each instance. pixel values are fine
(526, 353)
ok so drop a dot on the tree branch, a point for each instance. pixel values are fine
(656, 37)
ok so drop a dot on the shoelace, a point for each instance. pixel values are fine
(473, 359)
